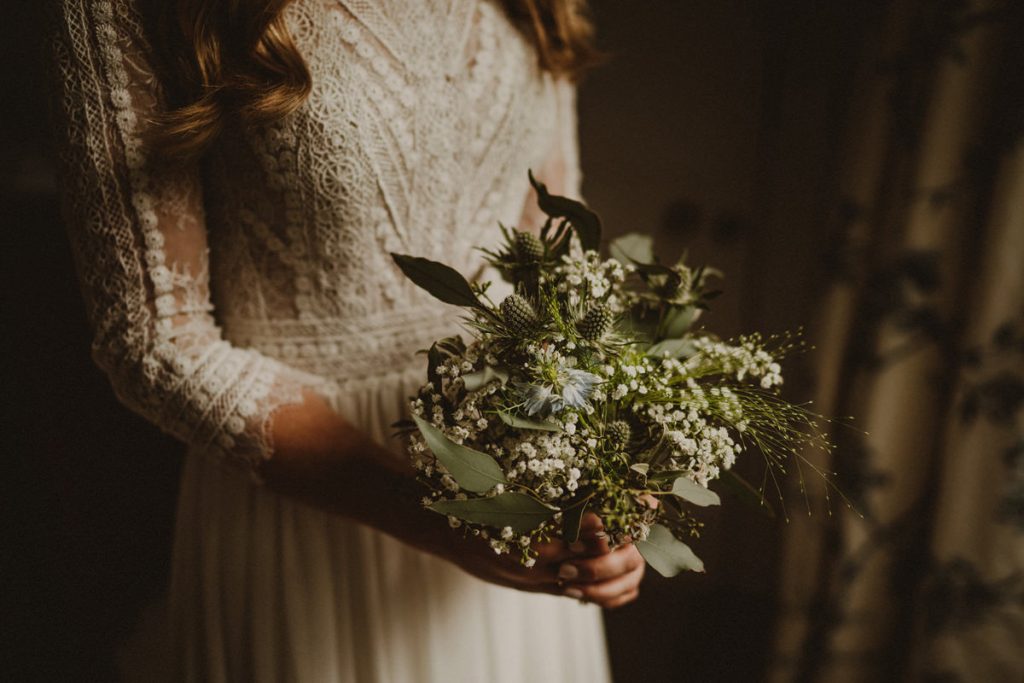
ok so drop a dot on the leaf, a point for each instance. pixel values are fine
(666, 554)
(641, 467)
(632, 248)
(692, 492)
(481, 378)
(443, 282)
(672, 348)
(679, 320)
(453, 346)
(747, 493)
(583, 220)
(527, 423)
(517, 510)
(474, 471)
(665, 475)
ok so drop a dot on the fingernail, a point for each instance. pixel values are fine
(574, 593)
(568, 572)
(577, 546)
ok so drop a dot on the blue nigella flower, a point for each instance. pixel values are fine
(576, 388)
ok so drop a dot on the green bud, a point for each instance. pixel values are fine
(595, 323)
(518, 315)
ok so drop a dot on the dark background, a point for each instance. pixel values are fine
(712, 125)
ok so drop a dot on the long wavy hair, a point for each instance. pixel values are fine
(227, 62)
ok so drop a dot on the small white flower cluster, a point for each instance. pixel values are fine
(634, 374)
(747, 358)
(589, 278)
(696, 445)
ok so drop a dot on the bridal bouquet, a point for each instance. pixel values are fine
(588, 389)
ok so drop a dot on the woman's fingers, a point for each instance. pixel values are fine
(590, 524)
(624, 599)
(553, 551)
(603, 567)
(611, 592)
(593, 540)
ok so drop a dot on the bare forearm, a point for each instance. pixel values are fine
(323, 460)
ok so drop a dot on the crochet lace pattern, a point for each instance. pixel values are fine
(221, 292)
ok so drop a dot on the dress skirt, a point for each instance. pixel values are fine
(264, 589)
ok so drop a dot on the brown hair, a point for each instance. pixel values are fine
(227, 61)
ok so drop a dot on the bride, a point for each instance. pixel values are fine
(236, 173)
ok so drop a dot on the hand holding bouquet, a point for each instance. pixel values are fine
(588, 389)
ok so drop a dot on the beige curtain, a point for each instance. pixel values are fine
(921, 338)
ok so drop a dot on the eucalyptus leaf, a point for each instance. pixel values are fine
(632, 248)
(527, 423)
(665, 475)
(475, 381)
(666, 554)
(692, 492)
(672, 348)
(474, 471)
(641, 467)
(679, 320)
(583, 220)
(443, 282)
(517, 510)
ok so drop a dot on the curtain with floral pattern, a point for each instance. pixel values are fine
(921, 338)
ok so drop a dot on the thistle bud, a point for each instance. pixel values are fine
(595, 323)
(518, 315)
(528, 248)
(618, 434)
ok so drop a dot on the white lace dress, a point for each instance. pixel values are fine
(219, 294)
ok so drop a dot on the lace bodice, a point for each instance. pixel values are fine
(219, 293)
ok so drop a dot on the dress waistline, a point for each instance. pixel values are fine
(349, 348)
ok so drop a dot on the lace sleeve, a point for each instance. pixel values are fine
(139, 238)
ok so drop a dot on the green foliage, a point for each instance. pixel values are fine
(441, 281)
(527, 423)
(678, 321)
(672, 348)
(692, 492)
(632, 248)
(474, 471)
(475, 381)
(666, 554)
(517, 510)
(583, 220)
